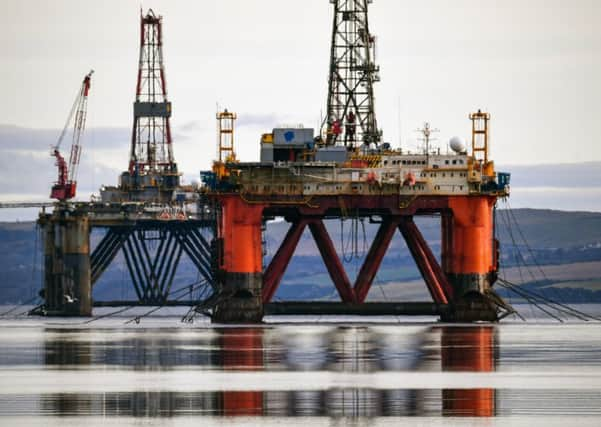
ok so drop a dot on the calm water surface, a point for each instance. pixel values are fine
(162, 372)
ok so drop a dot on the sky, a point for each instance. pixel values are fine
(535, 66)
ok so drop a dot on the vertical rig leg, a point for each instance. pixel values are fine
(51, 291)
(468, 256)
(67, 277)
(240, 262)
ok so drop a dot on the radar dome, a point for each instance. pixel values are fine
(457, 144)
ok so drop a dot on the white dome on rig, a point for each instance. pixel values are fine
(457, 144)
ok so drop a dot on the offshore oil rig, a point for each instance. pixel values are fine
(343, 170)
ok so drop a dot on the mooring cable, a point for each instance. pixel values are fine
(535, 300)
(548, 301)
(526, 242)
(111, 314)
(124, 309)
(553, 290)
(564, 308)
(530, 300)
(516, 252)
(140, 317)
(193, 311)
(16, 307)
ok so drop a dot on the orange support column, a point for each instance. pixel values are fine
(240, 261)
(467, 255)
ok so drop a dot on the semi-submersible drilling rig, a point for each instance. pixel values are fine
(344, 170)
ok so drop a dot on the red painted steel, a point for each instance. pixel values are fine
(446, 243)
(466, 247)
(277, 267)
(421, 259)
(330, 258)
(469, 242)
(374, 257)
(438, 285)
(430, 259)
(240, 229)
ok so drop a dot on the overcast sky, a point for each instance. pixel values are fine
(534, 65)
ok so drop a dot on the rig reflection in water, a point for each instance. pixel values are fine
(233, 350)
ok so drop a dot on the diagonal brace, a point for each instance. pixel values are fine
(330, 258)
(425, 260)
(277, 267)
(374, 257)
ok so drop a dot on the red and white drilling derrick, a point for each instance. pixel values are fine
(152, 174)
(66, 185)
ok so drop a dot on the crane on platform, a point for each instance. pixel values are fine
(64, 188)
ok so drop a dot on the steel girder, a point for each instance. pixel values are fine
(152, 267)
(436, 281)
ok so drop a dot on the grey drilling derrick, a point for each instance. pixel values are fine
(351, 119)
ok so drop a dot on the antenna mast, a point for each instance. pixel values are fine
(427, 132)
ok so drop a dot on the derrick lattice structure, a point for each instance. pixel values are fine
(351, 118)
(151, 143)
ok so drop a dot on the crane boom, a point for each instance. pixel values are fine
(65, 187)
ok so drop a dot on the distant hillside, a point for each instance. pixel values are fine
(543, 229)
(553, 238)
(528, 237)
(553, 229)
